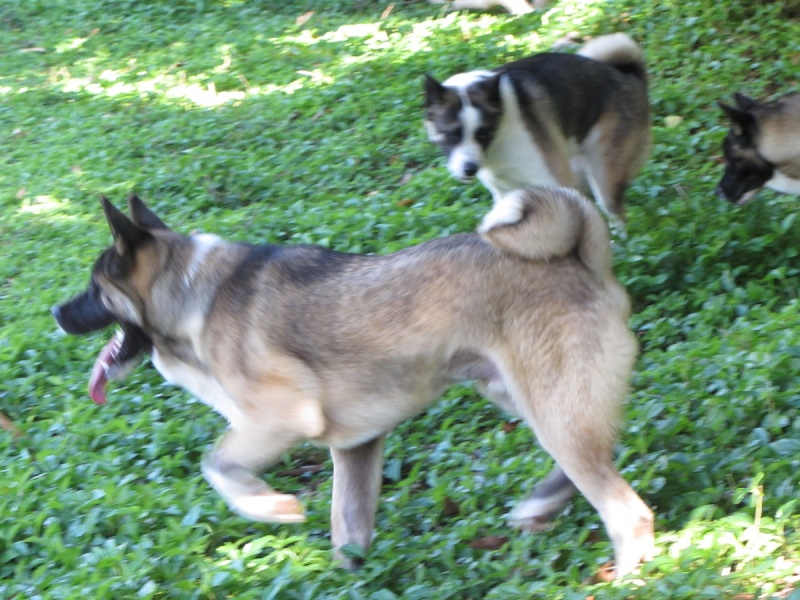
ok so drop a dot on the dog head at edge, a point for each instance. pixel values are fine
(746, 170)
(462, 116)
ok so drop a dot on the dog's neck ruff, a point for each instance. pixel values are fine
(783, 183)
(203, 244)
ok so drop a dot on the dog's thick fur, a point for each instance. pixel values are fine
(294, 343)
(576, 120)
(762, 148)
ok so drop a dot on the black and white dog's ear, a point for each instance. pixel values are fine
(143, 216)
(128, 236)
(434, 91)
(493, 91)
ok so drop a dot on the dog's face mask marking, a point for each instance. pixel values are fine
(110, 298)
(746, 171)
(462, 116)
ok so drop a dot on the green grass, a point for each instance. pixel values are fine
(238, 118)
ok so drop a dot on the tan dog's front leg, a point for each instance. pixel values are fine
(357, 475)
(233, 466)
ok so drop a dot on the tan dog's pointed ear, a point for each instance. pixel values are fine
(127, 235)
(142, 215)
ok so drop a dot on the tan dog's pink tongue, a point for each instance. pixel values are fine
(98, 379)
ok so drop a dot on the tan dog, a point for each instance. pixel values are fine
(303, 343)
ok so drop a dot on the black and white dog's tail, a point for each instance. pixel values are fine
(617, 50)
(544, 223)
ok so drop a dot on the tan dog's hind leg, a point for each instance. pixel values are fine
(357, 475)
(585, 455)
(627, 518)
(573, 401)
(548, 498)
(551, 494)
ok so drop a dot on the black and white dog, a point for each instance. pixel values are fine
(576, 120)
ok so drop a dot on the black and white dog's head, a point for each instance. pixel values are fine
(461, 116)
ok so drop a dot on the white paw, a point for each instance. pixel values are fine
(617, 228)
(532, 515)
(506, 211)
(269, 508)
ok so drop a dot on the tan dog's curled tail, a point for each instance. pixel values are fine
(544, 223)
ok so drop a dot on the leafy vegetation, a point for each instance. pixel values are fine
(301, 122)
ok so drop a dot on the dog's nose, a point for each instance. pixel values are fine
(470, 169)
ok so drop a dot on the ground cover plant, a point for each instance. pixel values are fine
(294, 122)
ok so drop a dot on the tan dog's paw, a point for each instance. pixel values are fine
(533, 524)
(270, 507)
